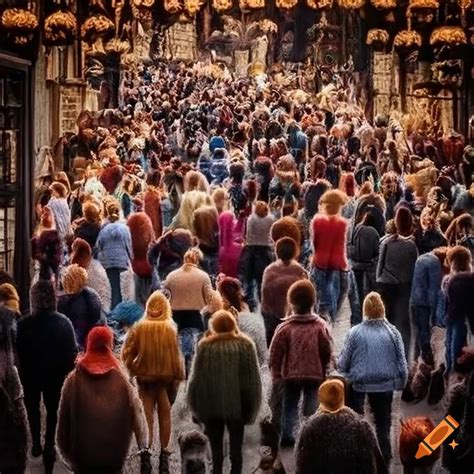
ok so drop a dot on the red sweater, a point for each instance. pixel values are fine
(329, 242)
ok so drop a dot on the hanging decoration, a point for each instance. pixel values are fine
(384, 4)
(351, 4)
(423, 11)
(60, 28)
(20, 25)
(143, 3)
(377, 39)
(448, 36)
(406, 42)
(173, 6)
(222, 5)
(251, 4)
(286, 4)
(319, 4)
(96, 26)
(117, 46)
(192, 7)
(464, 5)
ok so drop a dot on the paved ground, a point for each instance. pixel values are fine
(182, 422)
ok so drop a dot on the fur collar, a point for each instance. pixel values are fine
(212, 337)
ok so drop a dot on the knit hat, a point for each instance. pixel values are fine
(99, 357)
(216, 142)
(9, 297)
(223, 322)
(127, 313)
(404, 221)
(373, 306)
(331, 396)
(81, 253)
(74, 279)
(158, 307)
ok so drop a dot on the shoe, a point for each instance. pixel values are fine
(436, 388)
(164, 461)
(36, 450)
(145, 462)
(278, 467)
(287, 442)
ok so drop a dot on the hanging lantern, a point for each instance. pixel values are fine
(423, 11)
(384, 4)
(286, 4)
(407, 41)
(96, 26)
(448, 36)
(351, 4)
(60, 28)
(222, 5)
(377, 39)
(319, 4)
(20, 24)
(251, 4)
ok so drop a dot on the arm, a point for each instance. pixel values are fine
(304, 451)
(277, 353)
(129, 350)
(251, 384)
(381, 260)
(65, 422)
(345, 357)
(325, 347)
(70, 348)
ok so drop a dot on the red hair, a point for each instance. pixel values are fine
(412, 432)
(231, 291)
(347, 183)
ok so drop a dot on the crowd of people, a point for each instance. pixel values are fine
(212, 229)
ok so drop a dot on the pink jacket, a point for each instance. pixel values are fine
(231, 236)
(301, 349)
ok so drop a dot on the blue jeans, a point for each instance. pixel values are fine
(114, 278)
(421, 319)
(456, 337)
(291, 398)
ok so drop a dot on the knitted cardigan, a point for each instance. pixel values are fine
(225, 380)
(373, 357)
(115, 246)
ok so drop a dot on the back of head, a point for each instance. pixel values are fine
(81, 253)
(373, 307)
(59, 188)
(286, 227)
(223, 322)
(113, 211)
(9, 297)
(231, 290)
(331, 396)
(43, 297)
(74, 279)
(91, 212)
(459, 259)
(302, 297)
(286, 249)
(412, 432)
(332, 201)
(404, 221)
(261, 209)
(158, 307)
(192, 256)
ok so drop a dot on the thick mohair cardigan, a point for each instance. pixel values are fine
(336, 443)
(225, 379)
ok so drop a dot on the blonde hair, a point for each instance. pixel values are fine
(9, 297)
(373, 306)
(192, 256)
(74, 279)
(112, 210)
(219, 198)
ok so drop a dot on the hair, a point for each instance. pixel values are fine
(195, 181)
(192, 256)
(286, 249)
(404, 221)
(459, 259)
(231, 291)
(112, 210)
(91, 212)
(441, 253)
(219, 197)
(205, 225)
(332, 201)
(43, 296)
(347, 184)
(9, 297)
(412, 432)
(153, 178)
(302, 297)
(373, 307)
(366, 188)
(74, 279)
(59, 189)
(261, 209)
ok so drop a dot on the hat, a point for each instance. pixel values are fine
(127, 313)
(331, 396)
(74, 279)
(99, 357)
(373, 306)
(223, 322)
(158, 307)
(9, 297)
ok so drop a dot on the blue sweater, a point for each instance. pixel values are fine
(426, 283)
(114, 244)
(373, 357)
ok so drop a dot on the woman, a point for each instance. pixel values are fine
(190, 291)
(60, 209)
(374, 361)
(231, 236)
(88, 227)
(152, 201)
(151, 354)
(114, 245)
(225, 389)
(429, 236)
(395, 268)
(99, 410)
(257, 253)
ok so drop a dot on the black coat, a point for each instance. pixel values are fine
(338, 443)
(46, 348)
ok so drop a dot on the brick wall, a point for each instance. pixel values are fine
(70, 106)
(183, 41)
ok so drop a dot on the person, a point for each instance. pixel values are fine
(88, 227)
(335, 439)
(413, 431)
(329, 265)
(79, 303)
(276, 281)
(152, 201)
(230, 243)
(47, 348)
(224, 389)
(395, 267)
(114, 245)
(99, 410)
(300, 353)
(189, 289)
(13, 418)
(60, 209)
(9, 298)
(257, 253)
(373, 359)
(206, 229)
(151, 354)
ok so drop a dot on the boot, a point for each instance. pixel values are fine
(437, 386)
(164, 461)
(421, 381)
(145, 462)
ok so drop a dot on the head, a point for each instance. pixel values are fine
(192, 256)
(223, 322)
(261, 209)
(58, 190)
(231, 292)
(9, 297)
(347, 184)
(126, 314)
(153, 178)
(91, 212)
(286, 249)
(219, 197)
(205, 225)
(158, 307)
(81, 253)
(43, 297)
(459, 259)
(404, 221)
(331, 396)
(74, 279)
(302, 297)
(112, 210)
(287, 227)
(373, 307)
(332, 201)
